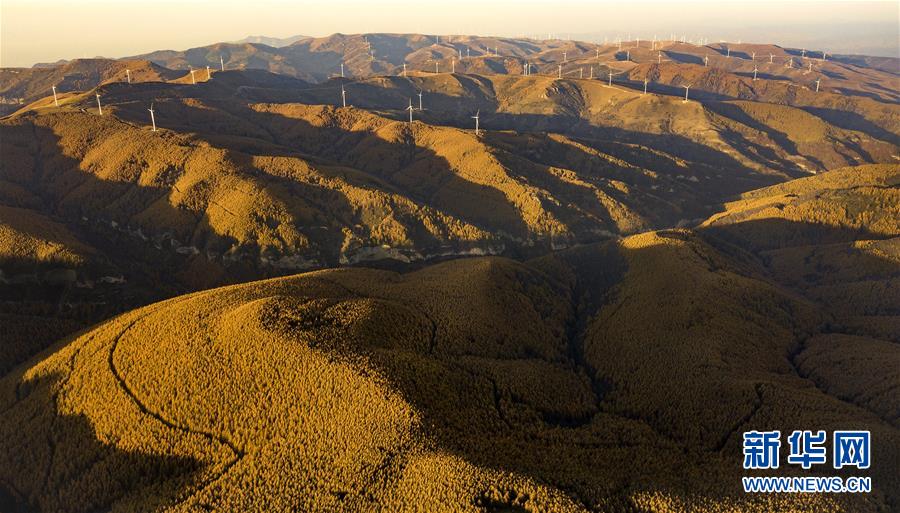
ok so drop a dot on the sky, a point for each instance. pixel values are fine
(34, 31)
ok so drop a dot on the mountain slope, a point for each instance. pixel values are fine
(614, 376)
(20, 86)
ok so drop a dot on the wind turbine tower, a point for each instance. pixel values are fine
(152, 117)
(755, 69)
(128, 75)
(817, 84)
(420, 100)
(686, 89)
(343, 96)
(475, 117)
(222, 63)
(559, 73)
(193, 80)
(645, 86)
(410, 109)
(99, 107)
(208, 73)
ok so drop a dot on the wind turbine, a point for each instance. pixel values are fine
(802, 54)
(727, 52)
(559, 74)
(128, 75)
(420, 100)
(55, 100)
(770, 58)
(99, 107)
(152, 117)
(592, 73)
(817, 84)
(208, 73)
(436, 67)
(404, 69)
(343, 95)
(645, 86)
(342, 70)
(610, 78)
(755, 69)
(525, 69)
(193, 80)
(564, 57)
(659, 58)
(452, 65)
(824, 55)
(222, 63)
(475, 117)
(753, 56)
(410, 109)
(706, 60)
(686, 89)
(580, 72)
(790, 62)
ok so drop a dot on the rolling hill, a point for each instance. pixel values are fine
(579, 307)
(21, 86)
(614, 376)
(788, 76)
(255, 174)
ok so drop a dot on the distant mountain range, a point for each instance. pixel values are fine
(276, 42)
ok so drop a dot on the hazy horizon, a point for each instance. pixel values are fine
(68, 31)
